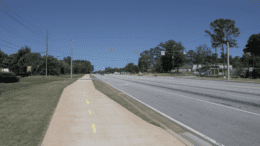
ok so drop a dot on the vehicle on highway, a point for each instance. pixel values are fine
(202, 73)
(102, 73)
(207, 73)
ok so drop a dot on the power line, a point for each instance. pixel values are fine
(23, 19)
(8, 47)
(20, 22)
(15, 30)
(9, 43)
(18, 49)
(25, 26)
(16, 34)
(27, 22)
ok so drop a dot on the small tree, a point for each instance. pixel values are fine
(240, 70)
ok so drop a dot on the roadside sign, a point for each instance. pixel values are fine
(5, 69)
(29, 68)
(162, 52)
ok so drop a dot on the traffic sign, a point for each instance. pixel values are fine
(162, 52)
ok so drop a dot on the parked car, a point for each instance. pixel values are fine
(203, 73)
(102, 73)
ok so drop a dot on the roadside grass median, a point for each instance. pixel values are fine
(137, 108)
(233, 78)
(27, 108)
(164, 74)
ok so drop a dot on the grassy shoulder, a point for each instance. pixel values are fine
(164, 74)
(136, 108)
(27, 107)
(233, 78)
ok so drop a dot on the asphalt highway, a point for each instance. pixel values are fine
(227, 112)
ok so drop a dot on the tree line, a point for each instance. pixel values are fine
(17, 63)
(149, 60)
(223, 30)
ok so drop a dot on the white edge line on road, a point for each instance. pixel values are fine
(210, 81)
(243, 97)
(212, 103)
(208, 102)
(198, 133)
(230, 94)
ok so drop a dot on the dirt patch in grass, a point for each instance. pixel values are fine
(137, 108)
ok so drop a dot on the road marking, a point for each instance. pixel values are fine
(196, 132)
(87, 101)
(243, 96)
(194, 138)
(94, 128)
(211, 103)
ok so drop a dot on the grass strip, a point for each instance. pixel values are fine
(233, 78)
(27, 108)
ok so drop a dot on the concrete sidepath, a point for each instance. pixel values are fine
(85, 116)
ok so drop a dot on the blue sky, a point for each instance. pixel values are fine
(96, 26)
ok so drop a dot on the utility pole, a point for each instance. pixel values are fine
(71, 59)
(228, 60)
(216, 60)
(46, 51)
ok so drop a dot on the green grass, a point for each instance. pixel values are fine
(166, 74)
(27, 108)
(233, 78)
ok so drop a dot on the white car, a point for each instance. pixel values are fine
(203, 73)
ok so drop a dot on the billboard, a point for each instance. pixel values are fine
(5, 69)
(29, 68)
(162, 52)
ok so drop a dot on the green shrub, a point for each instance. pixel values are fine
(256, 73)
(223, 69)
(247, 74)
(24, 74)
(216, 71)
(8, 77)
(205, 68)
(239, 71)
